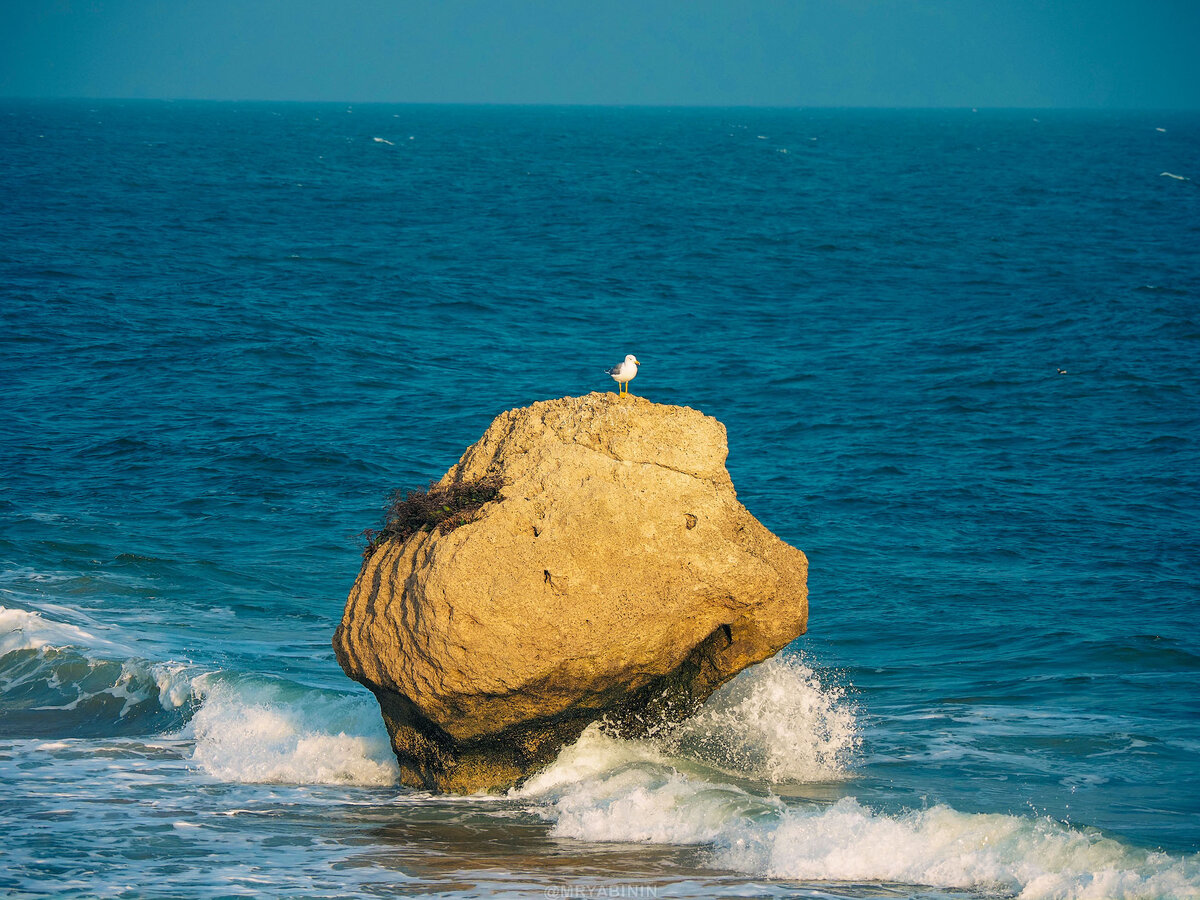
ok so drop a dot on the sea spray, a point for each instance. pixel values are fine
(783, 721)
(779, 721)
(671, 790)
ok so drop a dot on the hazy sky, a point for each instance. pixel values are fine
(1106, 53)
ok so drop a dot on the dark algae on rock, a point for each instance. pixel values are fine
(444, 508)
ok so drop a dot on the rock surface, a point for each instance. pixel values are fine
(617, 577)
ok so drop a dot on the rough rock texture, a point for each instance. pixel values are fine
(617, 577)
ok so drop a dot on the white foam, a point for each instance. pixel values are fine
(245, 729)
(779, 721)
(132, 687)
(1173, 175)
(137, 681)
(603, 789)
(606, 789)
(252, 732)
(21, 629)
(174, 682)
(380, 140)
(1037, 859)
(588, 759)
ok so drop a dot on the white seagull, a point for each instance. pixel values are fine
(623, 373)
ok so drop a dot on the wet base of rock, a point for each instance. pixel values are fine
(430, 759)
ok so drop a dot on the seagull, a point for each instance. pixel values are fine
(623, 373)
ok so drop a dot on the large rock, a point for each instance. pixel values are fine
(617, 577)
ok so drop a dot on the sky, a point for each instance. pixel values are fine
(792, 53)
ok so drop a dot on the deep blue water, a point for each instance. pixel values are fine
(228, 331)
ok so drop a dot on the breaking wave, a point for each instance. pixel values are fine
(61, 681)
(260, 730)
(779, 723)
(709, 782)
(625, 796)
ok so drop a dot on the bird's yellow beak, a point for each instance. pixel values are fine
(636, 361)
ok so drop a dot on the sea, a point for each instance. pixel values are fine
(957, 353)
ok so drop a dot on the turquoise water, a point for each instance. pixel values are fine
(230, 330)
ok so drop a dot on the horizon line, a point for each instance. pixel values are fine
(605, 105)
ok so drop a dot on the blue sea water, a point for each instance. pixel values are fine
(228, 331)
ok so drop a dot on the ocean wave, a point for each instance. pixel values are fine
(1034, 858)
(675, 791)
(781, 722)
(254, 729)
(22, 629)
(58, 680)
(776, 722)
(60, 692)
(63, 680)
(603, 789)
